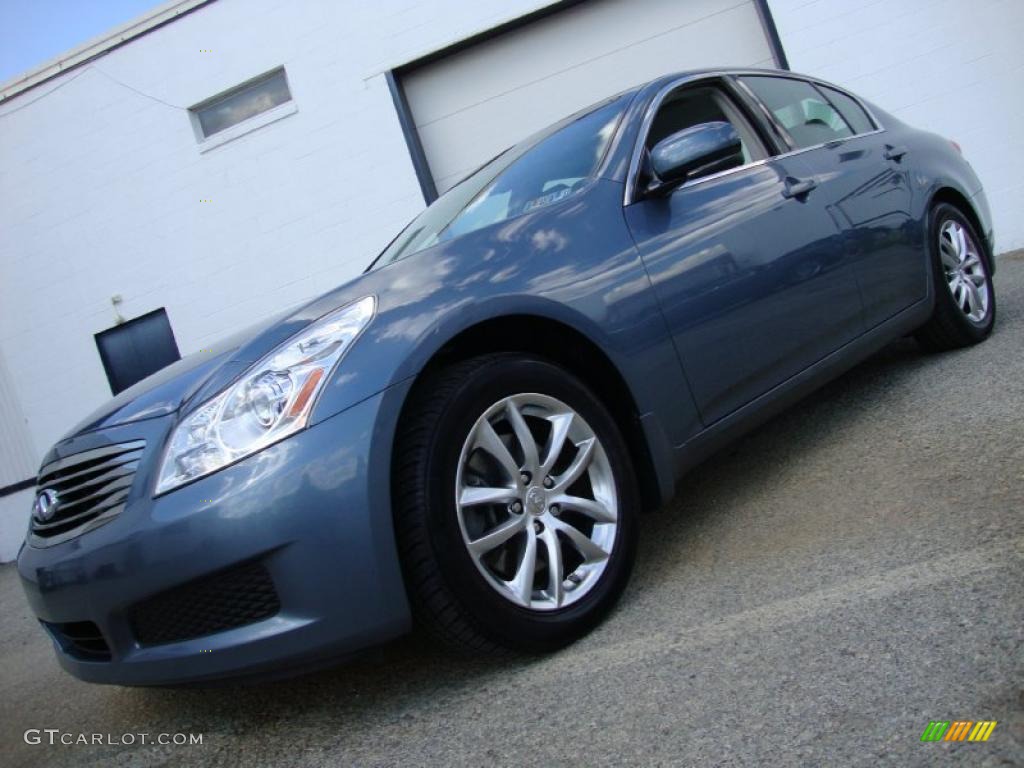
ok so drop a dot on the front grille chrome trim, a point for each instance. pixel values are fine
(96, 453)
(91, 512)
(117, 487)
(92, 489)
(117, 471)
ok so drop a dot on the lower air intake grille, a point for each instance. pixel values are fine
(83, 490)
(216, 603)
(81, 639)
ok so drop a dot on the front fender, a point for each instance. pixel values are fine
(572, 262)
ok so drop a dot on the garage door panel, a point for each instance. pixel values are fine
(458, 144)
(568, 39)
(470, 106)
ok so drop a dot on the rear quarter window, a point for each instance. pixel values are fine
(852, 112)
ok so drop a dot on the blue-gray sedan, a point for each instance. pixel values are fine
(466, 435)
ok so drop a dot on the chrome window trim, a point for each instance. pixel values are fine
(630, 193)
(830, 144)
(720, 174)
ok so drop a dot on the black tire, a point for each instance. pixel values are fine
(949, 327)
(449, 595)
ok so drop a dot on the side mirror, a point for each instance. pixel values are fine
(704, 148)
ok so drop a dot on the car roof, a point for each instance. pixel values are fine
(692, 74)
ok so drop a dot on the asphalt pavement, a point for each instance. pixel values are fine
(815, 595)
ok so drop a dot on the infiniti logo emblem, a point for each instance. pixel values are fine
(535, 500)
(45, 505)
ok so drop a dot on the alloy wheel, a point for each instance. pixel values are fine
(536, 501)
(964, 270)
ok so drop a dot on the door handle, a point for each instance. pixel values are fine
(798, 188)
(894, 153)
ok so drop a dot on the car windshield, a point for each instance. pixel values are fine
(547, 167)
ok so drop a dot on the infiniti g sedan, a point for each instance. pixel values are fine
(466, 436)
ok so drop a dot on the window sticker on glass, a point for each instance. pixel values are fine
(550, 197)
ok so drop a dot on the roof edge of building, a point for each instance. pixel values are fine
(98, 46)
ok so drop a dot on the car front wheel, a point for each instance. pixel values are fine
(515, 505)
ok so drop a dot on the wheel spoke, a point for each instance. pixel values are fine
(556, 573)
(977, 278)
(971, 261)
(487, 439)
(590, 551)
(560, 424)
(947, 252)
(595, 510)
(961, 243)
(497, 536)
(522, 584)
(973, 297)
(960, 294)
(585, 452)
(471, 496)
(523, 435)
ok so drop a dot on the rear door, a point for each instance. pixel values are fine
(747, 262)
(863, 178)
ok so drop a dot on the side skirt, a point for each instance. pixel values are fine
(757, 411)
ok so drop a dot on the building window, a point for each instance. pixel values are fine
(242, 103)
(133, 350)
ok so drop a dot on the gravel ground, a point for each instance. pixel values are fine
(815, 596)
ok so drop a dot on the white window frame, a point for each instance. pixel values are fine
(214, 140)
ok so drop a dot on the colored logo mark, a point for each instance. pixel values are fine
(958, 730)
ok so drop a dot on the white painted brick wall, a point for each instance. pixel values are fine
(100, 186)
(950, 66)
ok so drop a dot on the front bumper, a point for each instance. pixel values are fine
(314, 509)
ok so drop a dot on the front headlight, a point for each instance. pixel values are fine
(270, 401)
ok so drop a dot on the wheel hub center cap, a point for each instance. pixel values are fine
(536, 500)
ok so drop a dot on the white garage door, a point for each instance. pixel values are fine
(469, 106)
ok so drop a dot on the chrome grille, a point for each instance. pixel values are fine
(91, 488)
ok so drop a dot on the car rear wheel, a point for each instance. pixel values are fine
(965, 302)
(514, 503)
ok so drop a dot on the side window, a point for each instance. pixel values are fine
(851, 111)
(692, 106)
(804, 113)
